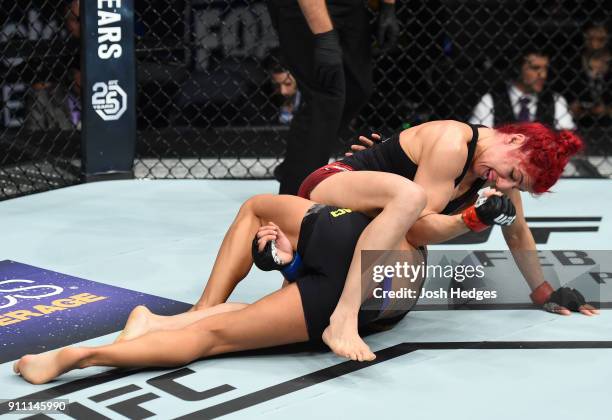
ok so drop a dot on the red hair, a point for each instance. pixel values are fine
(546, 152)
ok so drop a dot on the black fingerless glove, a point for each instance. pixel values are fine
(268, 260)
(328, 68)
(571, 299)
(494, 210)
(387, 32)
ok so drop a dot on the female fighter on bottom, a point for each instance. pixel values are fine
(324, 239)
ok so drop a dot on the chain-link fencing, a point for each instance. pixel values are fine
(210, 104)
(40, 67)
(208, 107)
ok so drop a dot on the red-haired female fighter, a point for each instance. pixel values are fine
(323, 237)
(448, 162)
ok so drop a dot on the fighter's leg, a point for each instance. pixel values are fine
(234, 259)
(142, 320)
(399, 203)
(274, 320)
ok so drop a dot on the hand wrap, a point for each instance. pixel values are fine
(542, 293)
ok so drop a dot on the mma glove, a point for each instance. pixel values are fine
(329, 72)
(268, 260)
(488, 211)
(387, 31)
(553, 300)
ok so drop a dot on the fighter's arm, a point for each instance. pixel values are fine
(439, 164)
(436, 228)
(523, 247)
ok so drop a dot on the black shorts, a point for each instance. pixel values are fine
(328, 236)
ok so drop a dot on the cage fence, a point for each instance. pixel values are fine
(207, 107)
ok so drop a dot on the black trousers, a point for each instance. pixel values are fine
(316, 125)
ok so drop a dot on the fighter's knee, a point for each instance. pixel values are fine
(252, 204)
(409, 196)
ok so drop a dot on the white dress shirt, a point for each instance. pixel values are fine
(483, 112)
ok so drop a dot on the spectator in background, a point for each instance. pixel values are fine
(58, 105)
(72, 19)
(285, 85)
(591, 100)
(588, 80)
(526, 98)
(595, 38)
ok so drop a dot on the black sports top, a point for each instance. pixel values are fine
(388, 156)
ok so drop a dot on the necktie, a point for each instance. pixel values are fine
(524, 114)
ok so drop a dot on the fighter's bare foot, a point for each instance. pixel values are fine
(343, 339)
(41, 368)
(137, 324)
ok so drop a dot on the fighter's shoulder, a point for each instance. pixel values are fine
(447, 137)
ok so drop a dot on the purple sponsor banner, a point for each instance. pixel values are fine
(41, 310)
